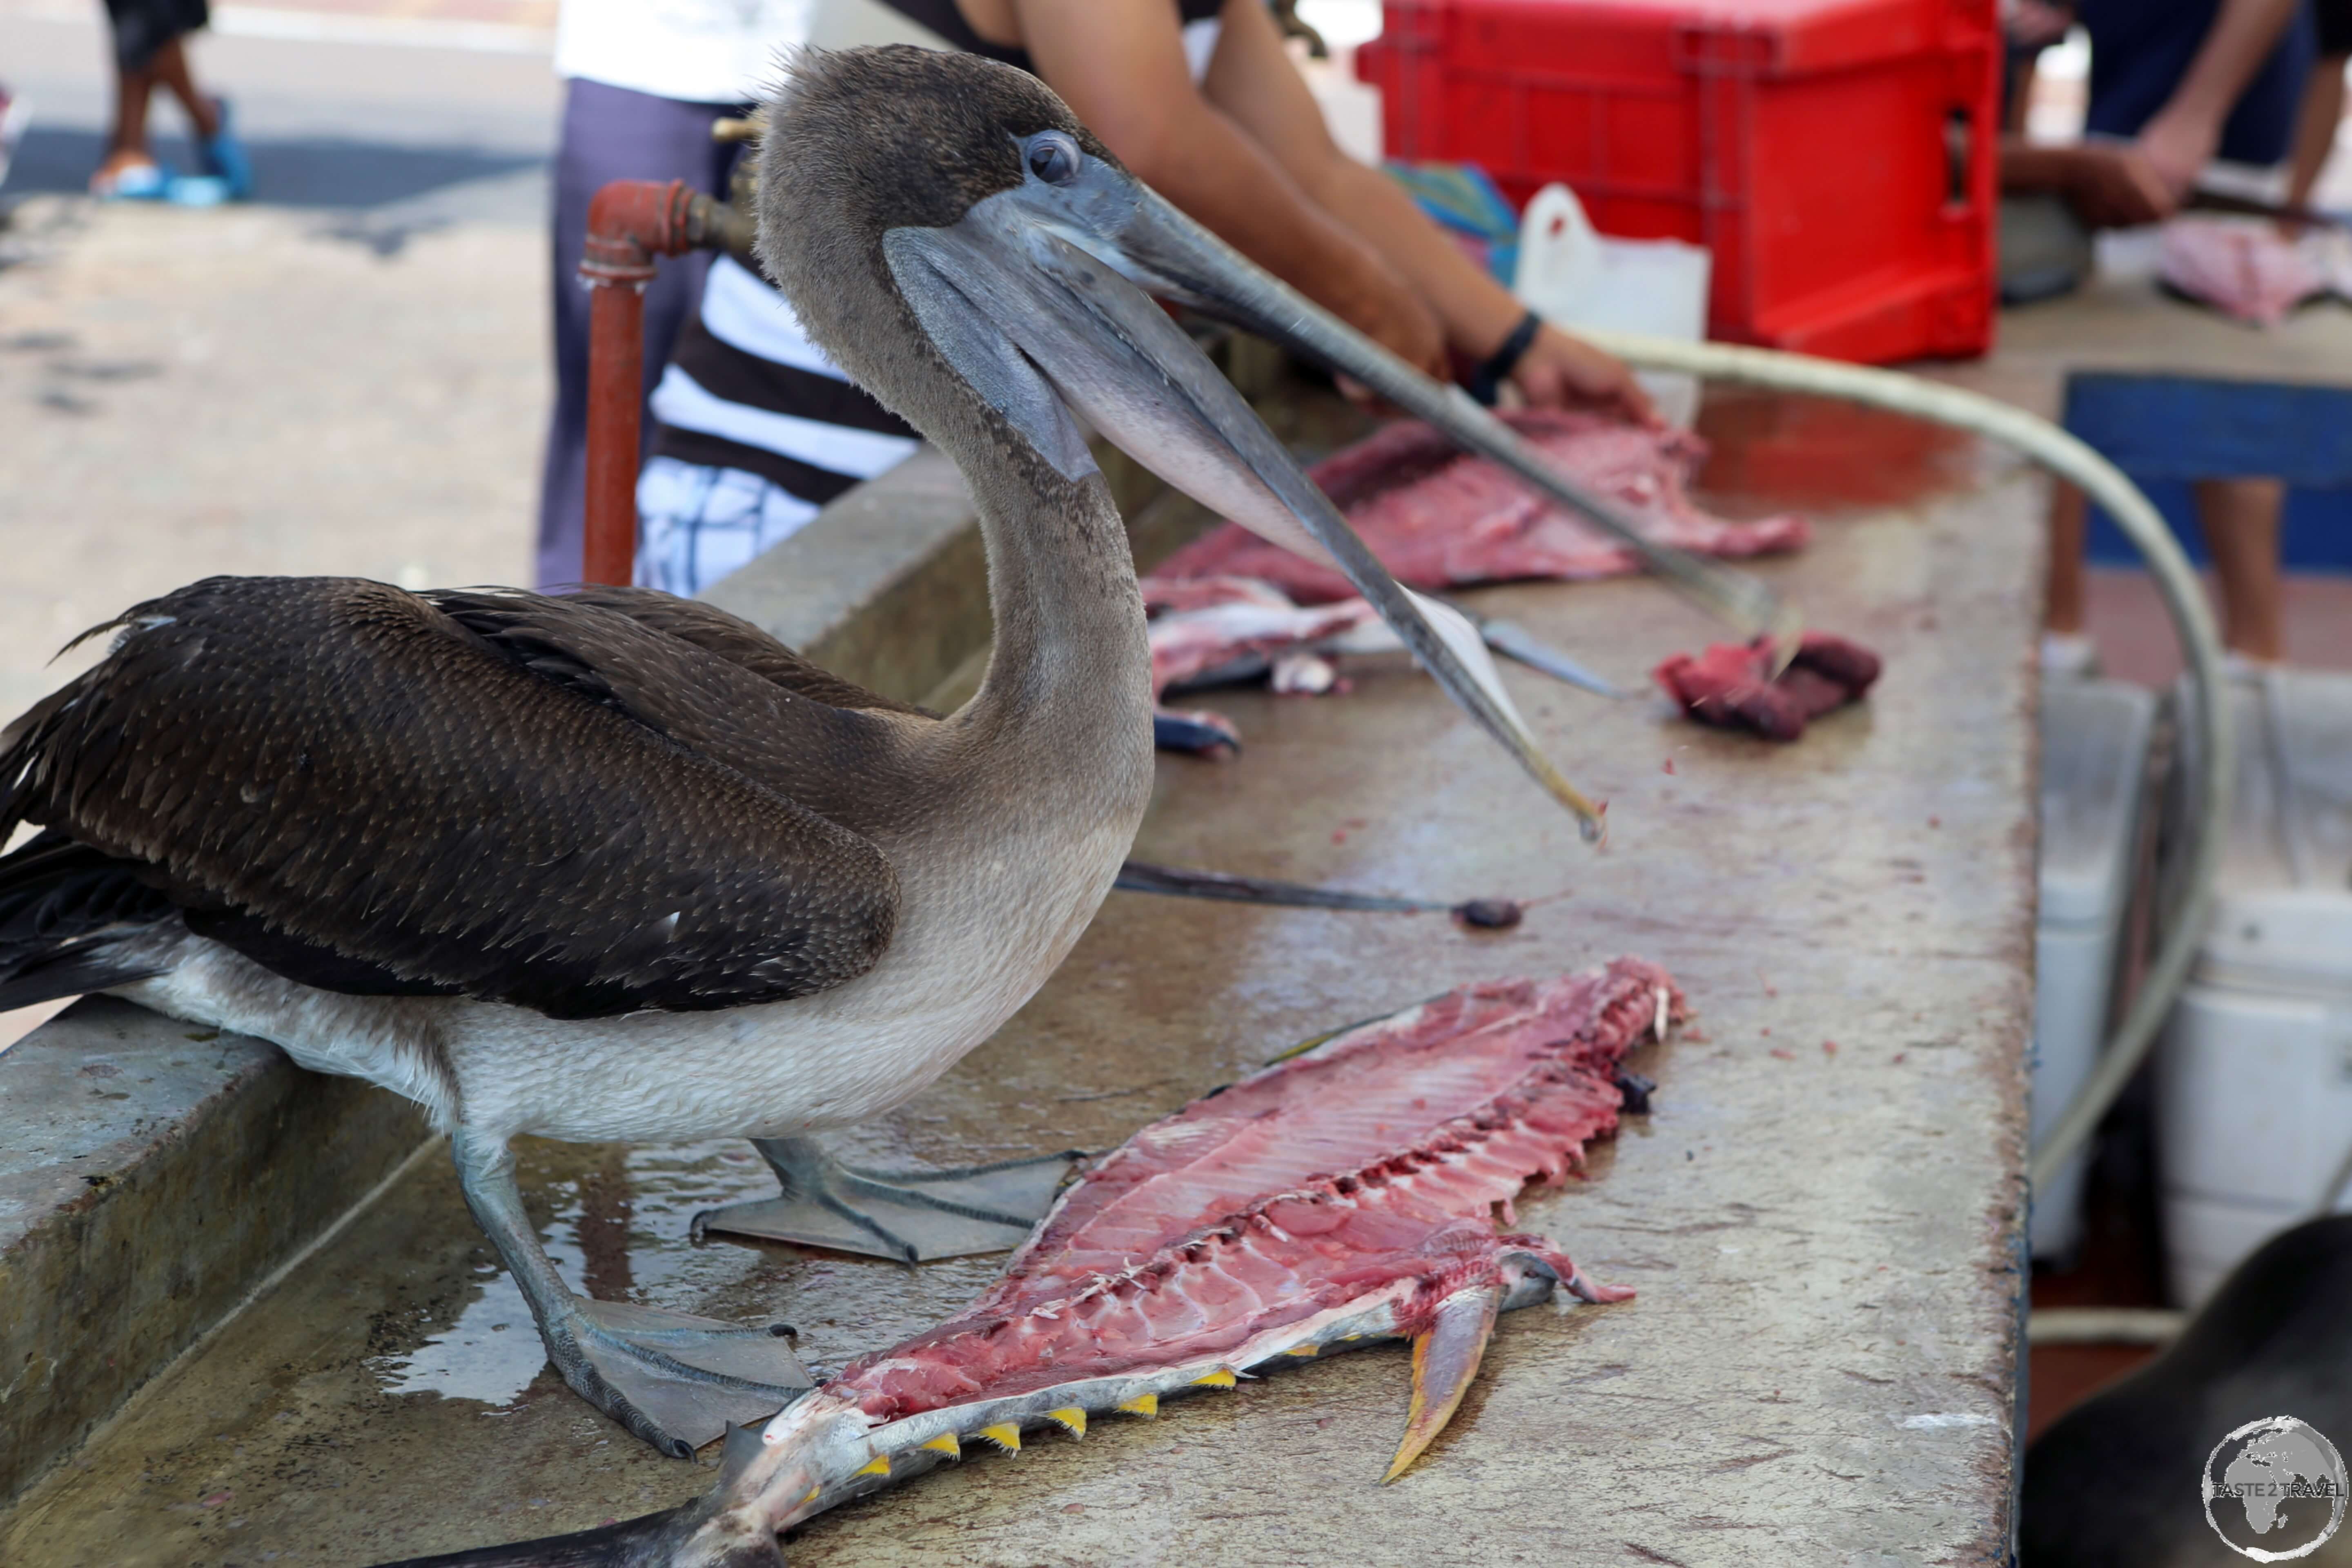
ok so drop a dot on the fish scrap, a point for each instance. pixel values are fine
(1439, 519)
(1731, 686)
(1360, 1189)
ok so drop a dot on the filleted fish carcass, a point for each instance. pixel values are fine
(1359, 1190)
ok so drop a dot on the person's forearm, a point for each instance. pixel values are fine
(2027, 166)
(1478, 312)
(2241, 37)
(2314, 133)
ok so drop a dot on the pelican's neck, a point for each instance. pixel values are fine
(1070, 672)
(1045, 775)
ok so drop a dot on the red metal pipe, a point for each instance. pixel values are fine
(630, 222)
(616, 391)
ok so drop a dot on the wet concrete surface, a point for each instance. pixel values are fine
(1821, 1216)
(151, 1175)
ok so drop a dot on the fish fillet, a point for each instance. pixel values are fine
(1438, 519)
(2242, 268)
(1359, 1190)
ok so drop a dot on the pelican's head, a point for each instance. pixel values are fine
(968, 252)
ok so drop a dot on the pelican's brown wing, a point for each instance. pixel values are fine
(335, 765)
(738, 642)
(717, 685)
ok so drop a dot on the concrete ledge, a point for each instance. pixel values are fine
(151, 1173)
(888, 585)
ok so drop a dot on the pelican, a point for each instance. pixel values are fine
(616, 866)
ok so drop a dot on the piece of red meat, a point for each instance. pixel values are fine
(1727, 686)
(1439, 519)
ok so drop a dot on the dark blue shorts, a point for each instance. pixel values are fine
(2141, 48)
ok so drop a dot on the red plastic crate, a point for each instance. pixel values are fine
(1837, 156)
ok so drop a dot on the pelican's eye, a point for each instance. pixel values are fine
(1053, 157)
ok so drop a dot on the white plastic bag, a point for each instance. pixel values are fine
(1576, 277)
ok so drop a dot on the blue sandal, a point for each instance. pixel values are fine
(227, 173)
(222, 156)
(133, 183)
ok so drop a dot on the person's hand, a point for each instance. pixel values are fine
(2114, 185)
(1561, 371)
(2177, 145)
(1385, 310)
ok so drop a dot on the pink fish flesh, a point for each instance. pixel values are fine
(1345, 1195)
(1209, 630)
(1187, 644)
(1439, 519)
(2242, 267)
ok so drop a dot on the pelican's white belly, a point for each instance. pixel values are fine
(977, 937)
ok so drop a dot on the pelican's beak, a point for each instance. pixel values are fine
(1025, 296)
(1163, 251)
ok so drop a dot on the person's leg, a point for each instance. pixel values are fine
(2240, 522)
(610, 133)
(126, 145)
(170, 67)
(2066, 648)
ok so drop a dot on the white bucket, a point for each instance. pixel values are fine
(2254, 1073)
(2094, 740)
(1576, 277)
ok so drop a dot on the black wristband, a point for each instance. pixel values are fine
(1487, 381)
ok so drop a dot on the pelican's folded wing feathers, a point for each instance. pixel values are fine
(339, 767)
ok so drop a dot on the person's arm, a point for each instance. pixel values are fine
(1253, 79)
(2179, 140)
(2110, 184)
(1120, 65)
(2314, 129)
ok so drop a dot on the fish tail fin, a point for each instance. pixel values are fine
(1446, 1357)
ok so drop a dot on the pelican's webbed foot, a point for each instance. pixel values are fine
(908, 1217)
(674, 1380)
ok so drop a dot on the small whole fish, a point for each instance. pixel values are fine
(1346, 1193)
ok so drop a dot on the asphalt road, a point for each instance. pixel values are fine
(347, 376)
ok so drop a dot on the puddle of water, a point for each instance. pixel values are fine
(619, 1232)
(491, 1353)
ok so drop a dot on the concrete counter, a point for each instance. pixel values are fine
(1821, 1216)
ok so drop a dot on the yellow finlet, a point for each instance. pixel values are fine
(878, 1465)
(946, 1444)
(1073, 1419)
(1303, 1350)
(1006, 1435)
(810, 1499)
(1143, 1404)
(1221, 1378)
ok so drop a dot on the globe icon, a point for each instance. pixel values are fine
(2275, 1489)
